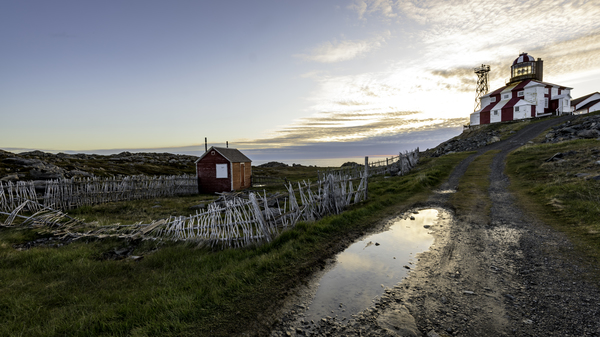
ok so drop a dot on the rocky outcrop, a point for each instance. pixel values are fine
(38, 165)
(273, 164)
(467, 141)
(582, 128)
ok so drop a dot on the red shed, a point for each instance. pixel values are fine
(223, 170)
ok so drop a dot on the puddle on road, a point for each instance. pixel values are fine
(363, 270)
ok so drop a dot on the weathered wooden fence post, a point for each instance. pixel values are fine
(366, 177)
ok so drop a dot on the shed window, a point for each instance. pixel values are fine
(505, 96)
(516, 108)
(546, 102)
(492, 99)
(495, 112)
(222, 171)
(520, 94)
(546, 91)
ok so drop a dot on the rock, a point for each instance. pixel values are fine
(468, 292)
(47, 173)
(79, 173)
(555, 157)
(432, 333)
(10, 177)
(197, 207)
(426, 226)
(412, 217)
(494, 139)
(591, 133)
(398, 322)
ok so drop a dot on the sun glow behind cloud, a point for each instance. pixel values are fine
(436, 90)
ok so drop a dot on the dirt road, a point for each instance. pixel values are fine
(502, 275)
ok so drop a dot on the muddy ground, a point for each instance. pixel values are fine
(504, 275)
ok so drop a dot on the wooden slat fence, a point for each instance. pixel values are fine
(65, 194)
(396, 165)
(235, 223)
(14, 194)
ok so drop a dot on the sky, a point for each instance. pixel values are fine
(280, 80)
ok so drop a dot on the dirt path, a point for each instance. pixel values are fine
(503, 275)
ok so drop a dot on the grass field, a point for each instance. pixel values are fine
(180, 289)
(561, 192)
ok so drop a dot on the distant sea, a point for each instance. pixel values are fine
(322, 162)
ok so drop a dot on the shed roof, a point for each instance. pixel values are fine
(583, 98)
(589, 105)
(233, 155)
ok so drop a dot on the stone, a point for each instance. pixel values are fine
(79, 173)
(10, 177)
(398, 322)
(197, 207)
(591, 133)
(432, 333)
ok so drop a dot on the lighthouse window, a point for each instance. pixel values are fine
(520, 94)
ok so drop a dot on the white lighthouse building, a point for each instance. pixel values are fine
(524, 96)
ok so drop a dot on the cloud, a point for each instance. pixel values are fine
(331, 52)
(383, 7)
(352, 127)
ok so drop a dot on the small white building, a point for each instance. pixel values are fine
(586, 104)
(524, 96)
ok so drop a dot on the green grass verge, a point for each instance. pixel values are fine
(180, 289)
(557, 193)
(473, 195)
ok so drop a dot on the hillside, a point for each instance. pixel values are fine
(38, 165)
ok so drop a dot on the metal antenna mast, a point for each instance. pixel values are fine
(482, 84)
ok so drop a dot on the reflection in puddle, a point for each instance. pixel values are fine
(367, 266)
(445, 191)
